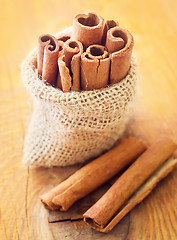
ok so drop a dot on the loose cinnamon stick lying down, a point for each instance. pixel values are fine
(119, 43)
(95, 64)
(47, 58)
(69, 66)
(94, 174)
(119, 199)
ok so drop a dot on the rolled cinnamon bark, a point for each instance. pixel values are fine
(64, 80)
(120, 43)
(114, 42)
(111, 23)
(95, 65)
(70, 49)
(69, 65)
(64, 37)
(58, 83)
(97, 52)
(138, 196)
(92, 175)
(61, 45)
(47, 57)
(101, 213)
(88, 29)
(108, 25)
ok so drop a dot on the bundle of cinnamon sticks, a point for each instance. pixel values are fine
(145, 168)
(96, 53)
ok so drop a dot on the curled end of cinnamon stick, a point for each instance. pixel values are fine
(64, 78)
(96, 51)
(95, 64)
(115, 40)
(48, 204)
(125, 35)
(42, 42)
(64, 38)
(88, 28)
(48, 50)
(120, 43)
(111, 23)
(71, 48)
(91, 222)
(69, 66)
(108, 25)
(62, 207)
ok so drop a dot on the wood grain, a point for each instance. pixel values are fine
(154, 27)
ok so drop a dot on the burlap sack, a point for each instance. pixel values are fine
(67, 128)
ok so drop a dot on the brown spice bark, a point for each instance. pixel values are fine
(94, 174)
(95, 66)
(69, 66)
(120, 44)
(64, 37)
(64, 79)
(114, 42)
(48, 50)
(108, 25)
(101, 213)
(58, 82)
(88, 29)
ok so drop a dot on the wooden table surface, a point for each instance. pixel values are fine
(153, 24)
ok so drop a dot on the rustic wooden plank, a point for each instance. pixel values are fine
(78, 230)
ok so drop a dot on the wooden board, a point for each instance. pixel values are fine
(154, 26)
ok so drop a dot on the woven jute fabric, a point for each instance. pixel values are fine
(68, 128)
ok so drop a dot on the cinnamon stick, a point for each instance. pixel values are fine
(111, 23)
(119, 43)
(61, 46)
(95, 65)
(142, 192)
(114, 42)
(69, 66)
(64, 37)
(92, 175)
(108, 25)
(102, 213)
(48, 50)
(64, 80)
(58, 82)
(88, 29)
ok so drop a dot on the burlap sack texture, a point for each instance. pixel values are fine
(68, 128)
